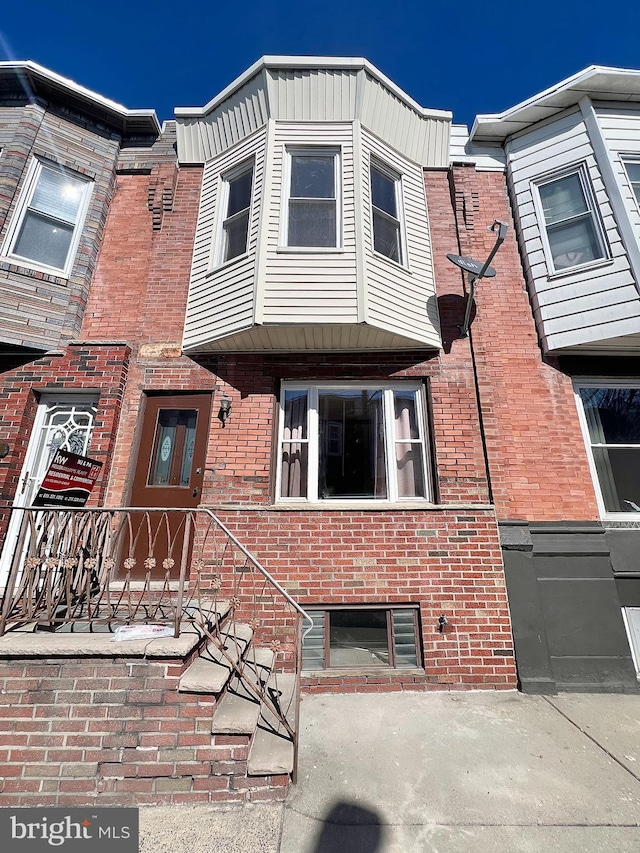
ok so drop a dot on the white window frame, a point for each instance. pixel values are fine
(634, 160)
(592, 212)
(601, 383)
(311, 151)
(36, 168)
(390, 439)
(223, 202)
(396, 178)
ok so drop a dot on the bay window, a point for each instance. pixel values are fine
(572, 231)
(352, 442)
(312, 198)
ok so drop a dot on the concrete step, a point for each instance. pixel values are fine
(238, 711)
(271, 751)
(210, 672)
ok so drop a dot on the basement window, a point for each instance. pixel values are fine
(362, 637)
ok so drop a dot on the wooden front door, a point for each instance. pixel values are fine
(169, 474)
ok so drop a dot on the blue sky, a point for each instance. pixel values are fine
(466, 57)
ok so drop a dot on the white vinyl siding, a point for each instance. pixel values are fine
(621, 131)
(302, 285)
(400, 299)
(221, 299)
(572, 307)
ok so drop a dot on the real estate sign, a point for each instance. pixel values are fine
(69, 480)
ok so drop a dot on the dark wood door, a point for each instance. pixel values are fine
(169, 473)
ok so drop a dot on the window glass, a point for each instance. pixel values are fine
(49, 219)
(571, 227)
(173, 448)
(351, 443)
(633, 171)
(312, 201)
(235, 227)
(613, 421)
(361, 637)
(386, 223)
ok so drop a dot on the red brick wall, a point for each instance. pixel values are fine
(115, 732)
(537, 458)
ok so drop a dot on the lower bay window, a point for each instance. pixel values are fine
(352, 442)
(362, 637)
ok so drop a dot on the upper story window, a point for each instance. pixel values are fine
(48, 221)
(313, 198)
(352, 442)
(236, 202)
(572, 229)
(633, 173)
(612, 430)
(385, 212)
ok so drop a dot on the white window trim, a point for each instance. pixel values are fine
(601, 383)
(389, 434)
(290, 151)
(35, 169)
(224, 180)
(396, 177)
(582, 172)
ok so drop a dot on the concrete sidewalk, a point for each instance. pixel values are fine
(445, 772)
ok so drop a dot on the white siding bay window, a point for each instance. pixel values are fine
(48, 221)
(352, 442)
(312, 219)
(611, 422)
(572, 231)
(385, 212)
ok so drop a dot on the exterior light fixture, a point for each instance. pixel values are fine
(225, 409)
(477, 270)
(4, 449)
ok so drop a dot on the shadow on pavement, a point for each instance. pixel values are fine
(349, 828)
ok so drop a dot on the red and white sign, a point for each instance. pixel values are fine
(69, 480)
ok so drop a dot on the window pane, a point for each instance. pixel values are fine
(405, 414)
(351, 439)
(312, 223)
(404, 638)
(409, 470)
(57, 194)
(575, 243)
(239, 193)
(633, 170)
(236, 236)
(613, 414)
(383, 192)
(44, 241)
(562, 198)
(358, 638)
(619, 477)
(173, 448)
(312, 176)
(295, 414)
(386, 236)
(295, 468)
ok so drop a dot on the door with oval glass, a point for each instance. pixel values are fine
(169, 474)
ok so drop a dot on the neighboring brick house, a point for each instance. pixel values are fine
(558, 371)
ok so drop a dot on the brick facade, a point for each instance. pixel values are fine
(113, 732)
